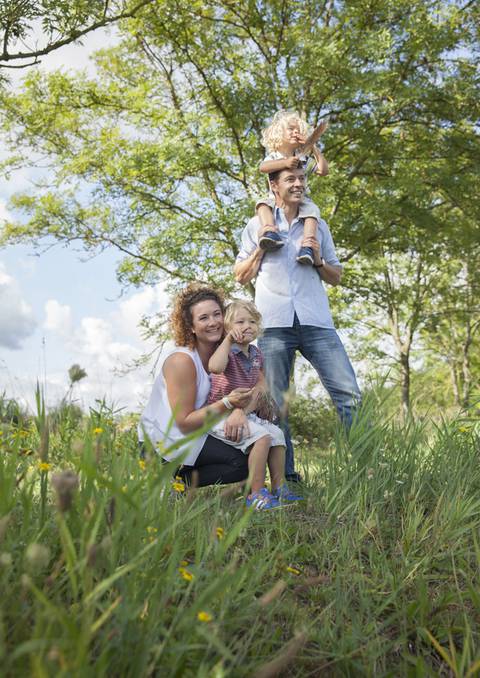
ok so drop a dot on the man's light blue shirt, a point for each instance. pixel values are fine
(284, 287)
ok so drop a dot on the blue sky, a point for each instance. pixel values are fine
(61, 308)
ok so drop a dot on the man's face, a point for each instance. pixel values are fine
(289, 188)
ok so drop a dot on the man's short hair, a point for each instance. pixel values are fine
(273, 176)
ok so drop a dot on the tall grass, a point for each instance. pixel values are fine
(113, 570)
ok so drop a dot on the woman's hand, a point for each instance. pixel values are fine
(236, 426)
(240, 397)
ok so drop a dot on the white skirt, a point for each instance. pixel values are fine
(258, 428)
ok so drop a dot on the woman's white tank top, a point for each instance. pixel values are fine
(157, 423)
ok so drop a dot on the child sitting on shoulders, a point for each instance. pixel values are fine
(284, 140)
(237, 362)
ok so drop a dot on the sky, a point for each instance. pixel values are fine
(59, 308)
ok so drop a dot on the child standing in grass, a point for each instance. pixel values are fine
(284, 140)
(238, 363)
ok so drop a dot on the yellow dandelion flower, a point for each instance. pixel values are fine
(204, 617)
(184, 563)
(293, 570)
(178, 487)
(97, 431)
(142, 464)
(188, 576)
(220, 532)
(43, 466)
(151, 529)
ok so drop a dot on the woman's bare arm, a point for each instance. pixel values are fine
(181, 382)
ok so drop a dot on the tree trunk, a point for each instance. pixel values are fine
(405, 384)
(466, 374)
(454, 380)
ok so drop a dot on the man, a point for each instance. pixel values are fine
(294, 304)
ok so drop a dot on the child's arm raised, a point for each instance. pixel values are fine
(219, 360)
(322, 164)
(269, 166)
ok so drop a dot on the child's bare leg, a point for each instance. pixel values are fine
(268, 235)
(276, 466)
(309, 228)
(265, 215)
(305, 255)
(257, 463)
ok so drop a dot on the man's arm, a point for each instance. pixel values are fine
(245, 271)
(330, 273)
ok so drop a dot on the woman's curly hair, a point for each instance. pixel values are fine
(181, 318)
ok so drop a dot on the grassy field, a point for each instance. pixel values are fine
(106, 568)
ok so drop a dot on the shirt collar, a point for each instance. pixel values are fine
(236, 349)
(279, 215)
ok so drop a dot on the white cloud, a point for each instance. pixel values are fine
(58, 317)
(149, 301)
(104, 346)
(16, 316)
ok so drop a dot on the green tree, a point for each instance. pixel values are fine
(390, 300)
(157, 156)
(31, 29)
(451, 332)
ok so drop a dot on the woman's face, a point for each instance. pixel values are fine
(207, 321)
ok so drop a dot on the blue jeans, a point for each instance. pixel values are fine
(324, 350)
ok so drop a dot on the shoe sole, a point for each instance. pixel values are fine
(269, 245)
(305, 261)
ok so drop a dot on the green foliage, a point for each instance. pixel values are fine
(167, 136)
(32, 28)
(312, 422)
(126, 573)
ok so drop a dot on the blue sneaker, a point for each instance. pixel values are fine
(283, 493)
(270, 240)
(262, 500)
(305, 256)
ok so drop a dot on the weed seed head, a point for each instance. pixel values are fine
(37, 557)
(65, 484)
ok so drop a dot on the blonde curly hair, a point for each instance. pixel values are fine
(181, 322)
(272, 136)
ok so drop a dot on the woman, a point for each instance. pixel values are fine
(177, 407)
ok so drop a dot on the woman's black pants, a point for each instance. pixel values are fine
(217, 463)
